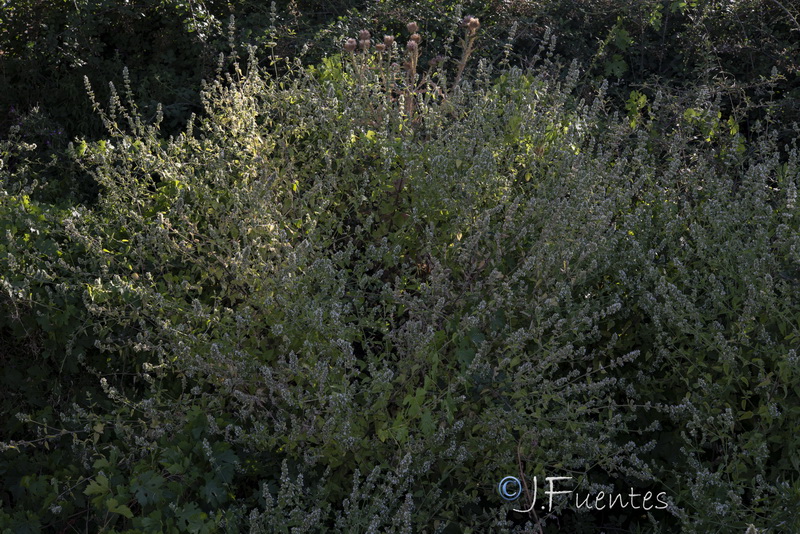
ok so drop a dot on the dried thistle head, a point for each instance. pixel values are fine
(350, 45)
(380, 47)
(471, 23)
(412, 46)
(388, 40)
(364, 44)
(412, 27)
(416, 38)
(364, 35)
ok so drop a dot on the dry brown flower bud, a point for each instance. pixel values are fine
(416, 38)
(474, 24)
(350, 45)
(380, 47)
(412, 27)
(411, 46)
(364, 35)
(364, 44)
(388, 40)
(436, 60)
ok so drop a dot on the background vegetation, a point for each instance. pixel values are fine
(350, 285)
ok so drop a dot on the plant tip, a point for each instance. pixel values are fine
(471, 23)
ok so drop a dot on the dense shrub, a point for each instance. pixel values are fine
(352, 298)
(168, 46)
(645, 45)
(46, 48)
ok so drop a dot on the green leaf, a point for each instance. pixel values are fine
(213, 492)
(192, 519)
(426, 424)
(116, 508)
(98, 486)
(148, 488)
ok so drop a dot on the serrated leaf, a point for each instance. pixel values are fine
(147, 488)
(116, 508)
(98, 486)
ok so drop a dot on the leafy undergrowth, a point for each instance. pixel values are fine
(355, 297)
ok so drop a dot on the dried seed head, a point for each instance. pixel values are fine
(364, 44)
(412, 27)
(350, 45)
(364, 35)
(472, 23)
(411, 46)
(380, 47)
(388, 40)
(416, 38)
(436, 60)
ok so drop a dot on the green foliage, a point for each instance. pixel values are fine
(651, 44)
(352, 297)
(169, 46)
